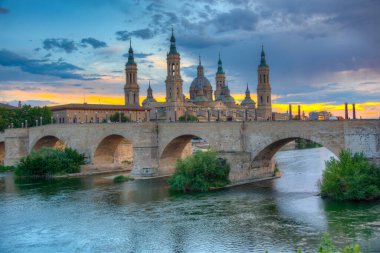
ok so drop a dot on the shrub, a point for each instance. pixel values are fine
(190, 118)
(351, 177)
(48, 162)
(200, 172)
(6, 168)
(121, 179)
(326, 246)
(116, 117)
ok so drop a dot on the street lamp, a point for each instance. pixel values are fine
(156, 115)
(119, 116)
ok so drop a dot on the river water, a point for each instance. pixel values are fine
(93, 214)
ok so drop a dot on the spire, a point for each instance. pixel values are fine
(263, 62)
(131, 59)
(220, 66)
(200, 68)
(247, 93)
(173, 48)
(149, 91)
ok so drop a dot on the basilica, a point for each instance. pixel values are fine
(204, 103)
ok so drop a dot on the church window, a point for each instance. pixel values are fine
(261, 79)
(261, 99)
(264, 78)
(267, 99)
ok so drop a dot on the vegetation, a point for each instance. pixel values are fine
(48, 162)
(121, 179)
(351, 177)
(20, 115)
(6, 168)
(200, 172)
(303, 144)
(276, 171)
(117, 117)
(327, 246)
(190, 118)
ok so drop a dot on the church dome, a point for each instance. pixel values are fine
(248, 102)
(200, 82)
(148, 100)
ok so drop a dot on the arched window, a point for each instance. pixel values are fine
(261, 99)
(264, 78)
(261, 79)
(267, 99)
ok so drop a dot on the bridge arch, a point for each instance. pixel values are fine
(49, 141)
(113, 151)
(179, 147)
(264, 158)
(2, 153)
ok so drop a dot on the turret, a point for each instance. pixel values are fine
(264, 92)
(131, 88)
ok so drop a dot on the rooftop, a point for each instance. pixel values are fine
(98, 107)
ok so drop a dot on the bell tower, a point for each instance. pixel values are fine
(264, 92)
(220, 79)
(173, 80)
(131, 88)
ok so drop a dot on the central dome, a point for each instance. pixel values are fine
(200, 82)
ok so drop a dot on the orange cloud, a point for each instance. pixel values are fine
(370, 109)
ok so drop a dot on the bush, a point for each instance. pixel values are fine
(351, 177)
(121, 179)
(48, 162)
(116, 117)
(6, 168)
(190, 118)
(327, 246)
(200, 172)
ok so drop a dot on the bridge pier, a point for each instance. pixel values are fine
(145, 161)
(16, 145)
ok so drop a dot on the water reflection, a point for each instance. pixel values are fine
(93, 214)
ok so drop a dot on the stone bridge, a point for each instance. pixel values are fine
(248, 146)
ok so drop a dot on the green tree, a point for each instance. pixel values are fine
(20, 115)
(200, 172)
(48, 162)
(190, 118)
(116, 117)
(352, 177)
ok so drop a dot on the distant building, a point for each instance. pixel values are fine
(280, 116)
(96, 113)
(323, 115)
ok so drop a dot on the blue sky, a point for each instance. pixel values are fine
(319, 51)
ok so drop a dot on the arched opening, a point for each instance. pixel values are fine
(114, 151)
(264, 162)
(180, 148)
(2, 153)
(50, 142)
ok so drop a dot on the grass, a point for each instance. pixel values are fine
(121, 179)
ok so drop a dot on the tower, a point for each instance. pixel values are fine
(173, 80)
(264, 99)
(131, 88)
(220, 80)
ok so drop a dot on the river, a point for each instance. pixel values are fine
(93, 214)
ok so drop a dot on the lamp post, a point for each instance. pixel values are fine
(208, 114)
(175, 115)
(96, 117)
(156, 115)
(86, 117)
(26, 123)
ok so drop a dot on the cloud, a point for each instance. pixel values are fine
(139, 55)
(93, 42)
(236, 19)
(64, 44)
(4, 10)
(59, 69)
(142, 34)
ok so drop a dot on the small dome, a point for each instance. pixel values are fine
(228, 99)
(200, 99)
(200, 83)
(148, 100)
(248, 102)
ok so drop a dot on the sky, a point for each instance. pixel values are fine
(321, 53)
